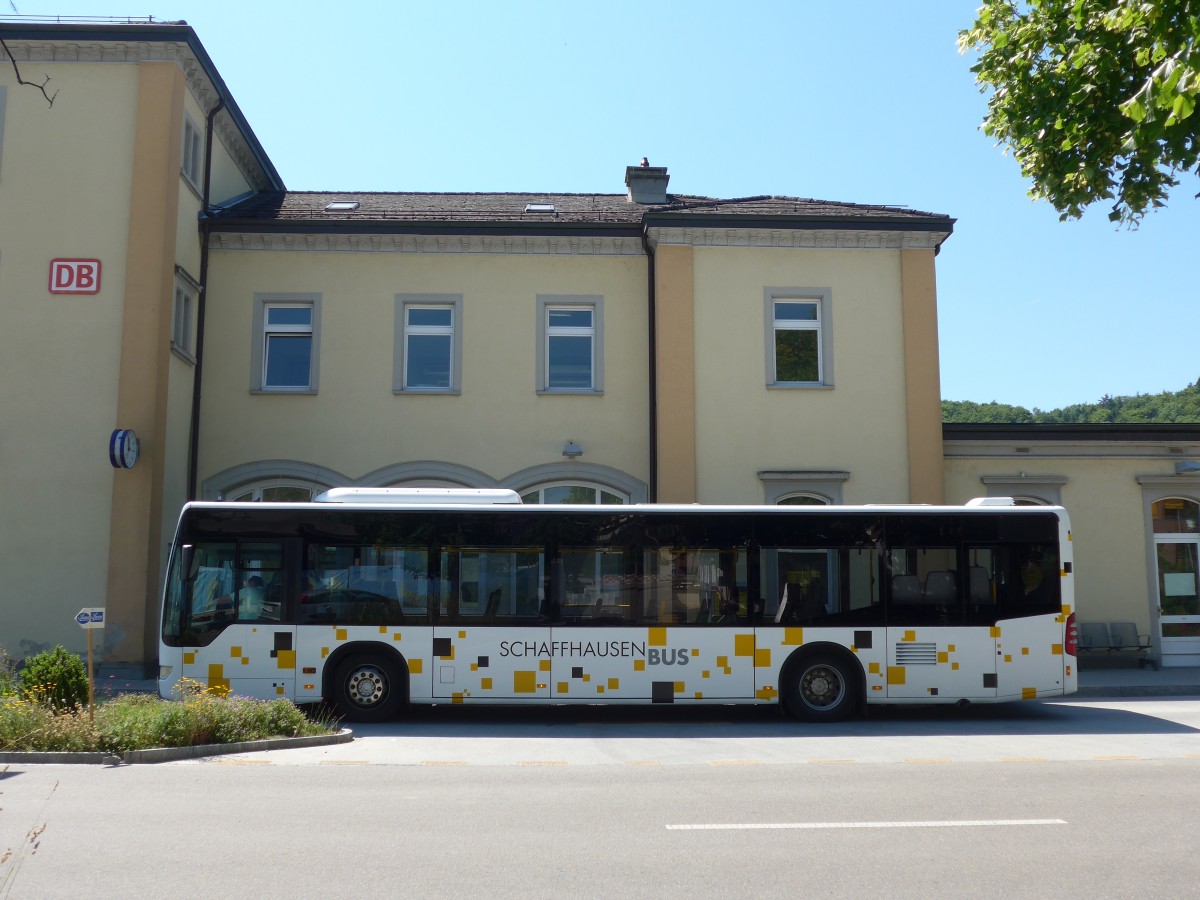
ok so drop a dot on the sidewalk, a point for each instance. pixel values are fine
(1116, 680)
(1128, 680)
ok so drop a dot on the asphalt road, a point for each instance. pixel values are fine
(1032, 800)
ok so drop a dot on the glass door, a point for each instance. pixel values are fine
(1178, 598)
(1176, 545)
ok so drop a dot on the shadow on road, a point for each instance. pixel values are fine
(591, 722)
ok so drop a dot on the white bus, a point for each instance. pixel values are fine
(372, 599)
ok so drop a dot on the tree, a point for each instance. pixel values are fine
(1094, 98)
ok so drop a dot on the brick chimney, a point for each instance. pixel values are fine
(646, 183)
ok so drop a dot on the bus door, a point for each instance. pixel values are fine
(932, 650)
(492, 640)
(238, 613)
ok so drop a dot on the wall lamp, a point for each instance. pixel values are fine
(1185, 467)
(573, 451)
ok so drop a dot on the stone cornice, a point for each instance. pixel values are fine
(501, 245)
(33, 51)
(799, 238)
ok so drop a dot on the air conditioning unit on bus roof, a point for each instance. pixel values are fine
(418, 496)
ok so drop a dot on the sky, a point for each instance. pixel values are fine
(865, 102)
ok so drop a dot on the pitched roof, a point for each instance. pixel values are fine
(268, 211)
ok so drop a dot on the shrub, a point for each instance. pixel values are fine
(56, 678)
(8, 674)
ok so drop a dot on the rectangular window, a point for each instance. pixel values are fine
(364, 585)
(570, 337)
(183, 316)
(193, 153)
(500, 586)
(286, 343)
(798, 344)
(428, 343)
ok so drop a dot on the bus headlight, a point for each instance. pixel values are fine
(164, 672)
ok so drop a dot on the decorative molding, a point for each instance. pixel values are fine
(1014, 449)
(799, 239)
(500, 245)
(178, 52)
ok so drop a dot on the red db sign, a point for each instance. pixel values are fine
(74, 276)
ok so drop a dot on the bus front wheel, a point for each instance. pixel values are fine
(822, 687)
(366, 689)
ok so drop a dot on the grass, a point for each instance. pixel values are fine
(142, 722)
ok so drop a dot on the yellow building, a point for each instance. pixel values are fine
(157, 278)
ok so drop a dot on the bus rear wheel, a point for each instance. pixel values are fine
(366, 689)
(822, 688)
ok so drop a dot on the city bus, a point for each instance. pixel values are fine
(372, 599)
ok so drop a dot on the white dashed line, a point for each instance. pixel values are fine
(811, 826)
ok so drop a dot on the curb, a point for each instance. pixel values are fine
(170, 754)
(1140, 690)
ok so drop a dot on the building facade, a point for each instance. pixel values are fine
(156, 276)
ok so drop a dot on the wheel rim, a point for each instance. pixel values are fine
(822, 687)
(366, 686)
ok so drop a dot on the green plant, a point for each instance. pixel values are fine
(142, 721)
(56, 678)
(8, 674)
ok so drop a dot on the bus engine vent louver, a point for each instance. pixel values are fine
(916, 654)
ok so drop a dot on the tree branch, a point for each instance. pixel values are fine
(41, 87)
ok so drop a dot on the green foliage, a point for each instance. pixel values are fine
(1169, 407)
(56, 678)
(141, 721)
(8, 674)
(1094, 98)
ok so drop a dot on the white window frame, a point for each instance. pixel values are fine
(822, 325)
(406, 302)
(192, 157)
(545, 305)
(253, 493)
(540, 491)
(183, 315)
(258, 360)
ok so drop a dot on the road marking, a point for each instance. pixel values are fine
(812, 826)
(1113, 758)
(443, 762)
(543, 762)
(343, 762)
(831, 762)
(242, 762)
(643, 762)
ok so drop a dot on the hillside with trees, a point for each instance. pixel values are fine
(1165, 408)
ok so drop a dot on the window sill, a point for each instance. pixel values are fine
(569, 392)
(285, 391)
(435, 392)
(192, 186)
(799, 386)
(182, 354)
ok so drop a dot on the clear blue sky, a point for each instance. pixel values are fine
(868, 102)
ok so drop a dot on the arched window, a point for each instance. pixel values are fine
(273, 492)
(1175, 515)
(566, 492)
(802, 500)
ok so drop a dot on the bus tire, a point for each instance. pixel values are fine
(822, 687)
(367, 689)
